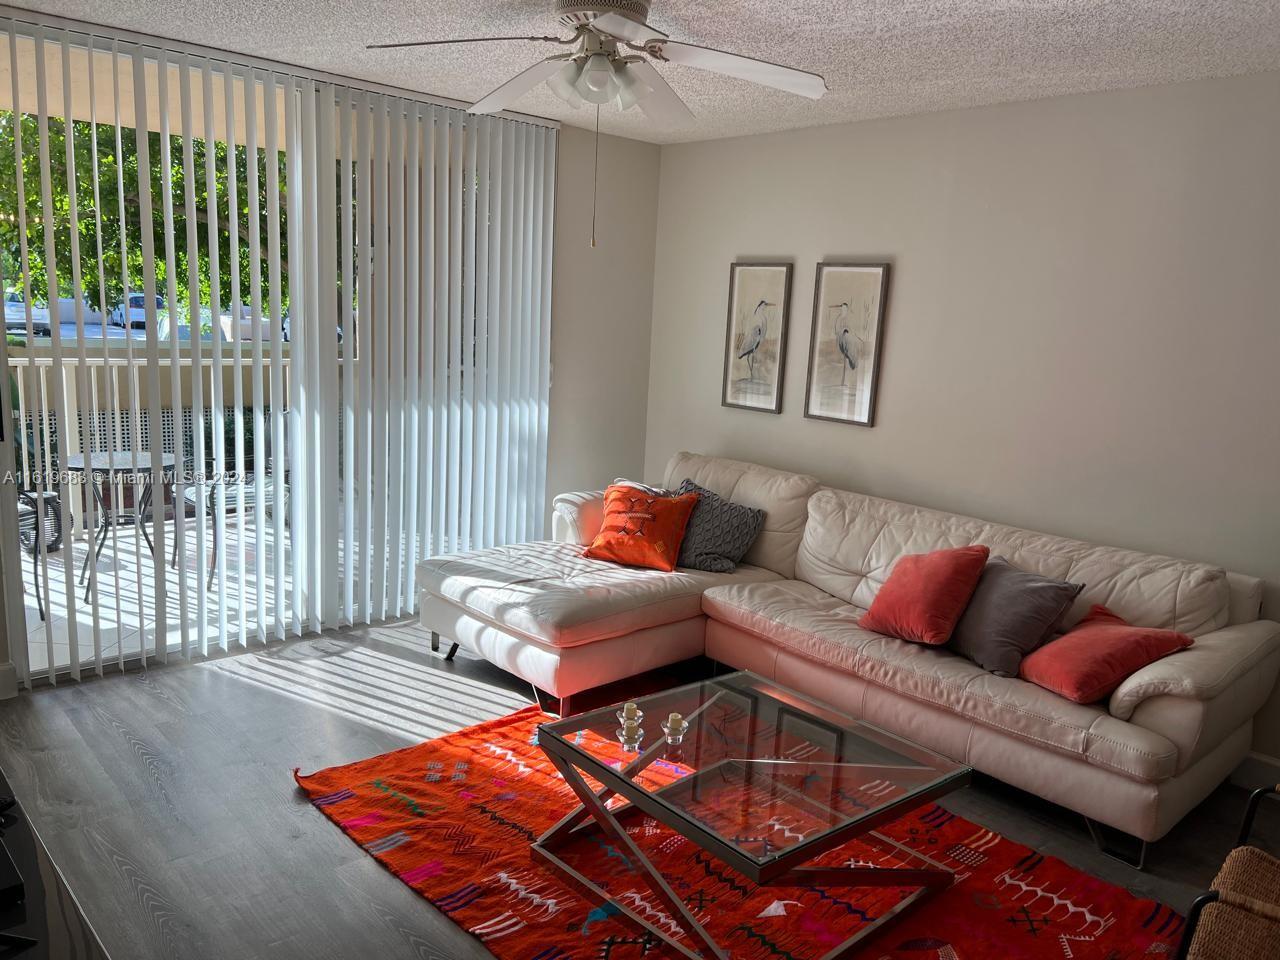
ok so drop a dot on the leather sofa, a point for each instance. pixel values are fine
(1139, 762)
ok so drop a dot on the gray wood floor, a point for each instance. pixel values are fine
(166, 799)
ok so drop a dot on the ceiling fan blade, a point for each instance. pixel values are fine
(763, 72)
(519, 85)
(436, 43)
(662, 103)
(624, 28)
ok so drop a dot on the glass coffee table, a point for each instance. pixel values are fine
(764, 779)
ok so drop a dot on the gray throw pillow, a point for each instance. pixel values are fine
(1011, 613)
(719, 533)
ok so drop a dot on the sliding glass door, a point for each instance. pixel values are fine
(270, 339)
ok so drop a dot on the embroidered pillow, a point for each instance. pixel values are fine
(640, 529)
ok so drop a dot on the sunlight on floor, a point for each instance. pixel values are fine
(407, 697)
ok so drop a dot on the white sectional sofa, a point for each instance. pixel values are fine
(1171, 733)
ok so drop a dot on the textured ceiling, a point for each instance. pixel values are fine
(880, 57)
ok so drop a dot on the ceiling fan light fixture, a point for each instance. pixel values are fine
(631, 89)
(597, 83)
(563, 84)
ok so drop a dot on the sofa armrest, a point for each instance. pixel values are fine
(1205, 669)
(577, 517)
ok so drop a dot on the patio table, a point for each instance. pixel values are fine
(110, 468)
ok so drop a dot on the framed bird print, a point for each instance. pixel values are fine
(755, 343)
(844, 350)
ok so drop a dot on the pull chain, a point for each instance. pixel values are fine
(595, 178)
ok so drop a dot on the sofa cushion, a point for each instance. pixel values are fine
(784, 498)
(550, 593)
(1010, 614)
(1088, 662)
(802, 619)
(641, 529)
(851, 541)
(926, 594)
(720, 532)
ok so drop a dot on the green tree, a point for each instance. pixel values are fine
(116, 168)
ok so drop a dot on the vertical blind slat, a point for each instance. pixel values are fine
(279, 486)
(364, 350)
(348, 293)
(83, 401)
(258, 399)
(409, 355)
(379, 349)
(295, 438)
(59, 445)
(199, 451)
(394, 356)
(235, 309)
(175, 368)
(466, 363)
(157, 486)
(219, 432)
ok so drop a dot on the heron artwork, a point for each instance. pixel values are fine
(844, 340)
(755, 337)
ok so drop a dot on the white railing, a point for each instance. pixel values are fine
(113, 393)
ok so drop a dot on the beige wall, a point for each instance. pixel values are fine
(602, 308)
(1083, 330)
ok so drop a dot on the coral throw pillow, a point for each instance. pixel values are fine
(642, 529)
(925, 594)
(1097, 654)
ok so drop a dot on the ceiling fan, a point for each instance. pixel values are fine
(610, 61)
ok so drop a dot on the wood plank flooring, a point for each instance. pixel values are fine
(166, 799)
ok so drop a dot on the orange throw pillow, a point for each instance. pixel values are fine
(641, 529)
(925, 594)
(1088, 662)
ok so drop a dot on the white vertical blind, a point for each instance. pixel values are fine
(332, 355)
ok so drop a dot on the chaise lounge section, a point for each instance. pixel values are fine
(1138, 762)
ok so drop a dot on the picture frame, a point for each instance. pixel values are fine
(755, 340)
(849, 305)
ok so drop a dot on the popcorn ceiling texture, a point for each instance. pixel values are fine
(880, 57)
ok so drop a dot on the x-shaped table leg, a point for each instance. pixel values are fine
(595, 805)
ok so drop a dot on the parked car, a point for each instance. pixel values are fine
(136, 316)
(15, 315)
(284, 329)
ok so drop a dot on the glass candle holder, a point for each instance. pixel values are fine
(637, 715)
(630, 734)
(674, 730)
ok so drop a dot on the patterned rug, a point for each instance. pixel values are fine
(453, 818)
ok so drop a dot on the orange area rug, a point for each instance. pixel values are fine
(453, 818)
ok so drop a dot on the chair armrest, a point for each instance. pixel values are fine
(577, 517)
(1205, 669)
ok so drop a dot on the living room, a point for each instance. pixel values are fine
(807, 501)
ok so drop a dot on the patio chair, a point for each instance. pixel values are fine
(208, 490)
(35, 539)
(1239, 919)
(32, 538)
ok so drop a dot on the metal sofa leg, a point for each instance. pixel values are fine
(435, 646)
(1138, 862)
(557, 706)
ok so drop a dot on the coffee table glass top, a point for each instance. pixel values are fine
(761, 768)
